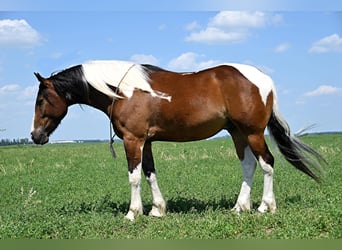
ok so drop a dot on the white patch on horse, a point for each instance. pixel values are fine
(32, 125)
(248, 165)
(126, 76)
(268, 200)
(159, 205)
(257, 77)
(136, 202)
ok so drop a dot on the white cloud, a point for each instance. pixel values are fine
(231, 26)
(190, 61)
(10, 88)
(212, 35)
(232, 19)
(324, 90)
(162, 26)
(142, 58)
(18, 34)
(28, 93)
(56, 55)
(332, 43)
(18, 92)
(282, 47)
(192, 26)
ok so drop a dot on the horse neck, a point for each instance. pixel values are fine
(98, 100)
(77, 92)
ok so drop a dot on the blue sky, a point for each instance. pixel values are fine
(300, 49)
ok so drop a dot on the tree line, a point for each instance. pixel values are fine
(6, 142)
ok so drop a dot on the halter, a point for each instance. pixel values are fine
(111, 129)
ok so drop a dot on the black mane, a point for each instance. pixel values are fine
(152, 68)
(70, 83)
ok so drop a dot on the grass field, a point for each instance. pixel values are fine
(79, 191)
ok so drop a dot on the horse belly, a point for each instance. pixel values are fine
(188, 125)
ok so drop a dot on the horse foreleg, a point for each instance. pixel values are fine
(159, 205)
(134, 150)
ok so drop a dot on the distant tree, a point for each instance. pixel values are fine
(6, 142)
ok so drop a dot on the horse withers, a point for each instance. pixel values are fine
(146, 103)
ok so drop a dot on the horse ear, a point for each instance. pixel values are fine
(39, 77)
(43, 81)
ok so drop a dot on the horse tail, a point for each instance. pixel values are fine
(296, 152)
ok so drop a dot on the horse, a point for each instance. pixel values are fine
(146, 103)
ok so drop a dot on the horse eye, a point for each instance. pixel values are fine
(39, 102)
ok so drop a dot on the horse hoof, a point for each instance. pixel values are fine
(130, 216)
(238, 208)
(264, 207)
(155, 212)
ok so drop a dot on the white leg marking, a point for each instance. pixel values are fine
(159, 205)
(248, 168)
(136, 203)
(268, 200)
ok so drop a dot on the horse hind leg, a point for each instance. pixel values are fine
(266, 161)
(248, 164)
(158, 202)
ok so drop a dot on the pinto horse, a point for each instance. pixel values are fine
(146, 103)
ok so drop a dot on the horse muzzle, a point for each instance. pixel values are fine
(39, 136)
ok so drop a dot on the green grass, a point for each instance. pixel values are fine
(79, 191)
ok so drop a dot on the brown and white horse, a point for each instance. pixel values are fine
(146, 103)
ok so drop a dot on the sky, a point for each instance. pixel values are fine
(299, 47)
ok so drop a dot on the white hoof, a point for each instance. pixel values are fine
(267, 206)
(130, 215)
(157, 212)
(239, 207)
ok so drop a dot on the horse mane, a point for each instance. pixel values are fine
(122, 75)
(107, 77)
(152, 68)
(70, 83)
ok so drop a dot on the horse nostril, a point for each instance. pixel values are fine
(35, 135)
(32, 133)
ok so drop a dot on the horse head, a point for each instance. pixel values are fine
(50, 109)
